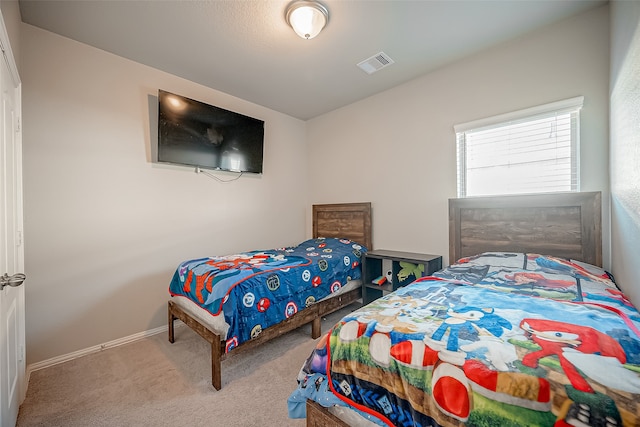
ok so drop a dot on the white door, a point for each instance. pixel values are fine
(12, 336)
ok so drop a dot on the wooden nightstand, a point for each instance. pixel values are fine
(404, 268)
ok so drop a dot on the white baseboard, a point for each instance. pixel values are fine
(94, 349)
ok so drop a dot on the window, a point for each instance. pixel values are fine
(529, 151)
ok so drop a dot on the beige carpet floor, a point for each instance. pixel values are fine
(152, 382)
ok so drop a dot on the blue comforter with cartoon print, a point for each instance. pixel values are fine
(259, 289)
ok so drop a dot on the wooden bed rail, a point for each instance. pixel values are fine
(312, 314)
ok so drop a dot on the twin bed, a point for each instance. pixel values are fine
(261, 295)
(504, 336)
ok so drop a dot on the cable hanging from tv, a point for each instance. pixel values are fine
(217, 178)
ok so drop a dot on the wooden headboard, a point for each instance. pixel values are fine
(565, 225)
(348, 220)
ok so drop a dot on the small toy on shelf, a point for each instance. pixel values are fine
(380, 280)
(390, 276)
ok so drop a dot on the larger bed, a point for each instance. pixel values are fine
(237, 302)
(525, 328)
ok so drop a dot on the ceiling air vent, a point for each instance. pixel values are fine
(375, 63)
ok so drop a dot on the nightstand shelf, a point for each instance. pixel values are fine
(403, 268)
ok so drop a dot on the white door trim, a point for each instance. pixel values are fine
(5, 46)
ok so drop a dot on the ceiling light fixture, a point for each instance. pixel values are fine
(307, 18)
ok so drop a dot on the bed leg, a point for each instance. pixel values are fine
(216, 355)
(171, 319)
(316, 328)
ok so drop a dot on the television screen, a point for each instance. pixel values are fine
(197, 134)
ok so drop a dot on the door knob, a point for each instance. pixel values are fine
(15, 280)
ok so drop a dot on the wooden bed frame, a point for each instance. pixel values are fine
(565, 225)
(348, 220)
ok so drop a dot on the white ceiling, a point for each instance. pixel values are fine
(246, 49)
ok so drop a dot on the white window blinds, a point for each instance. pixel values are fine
(529, 151)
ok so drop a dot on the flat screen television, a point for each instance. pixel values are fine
(196, 134)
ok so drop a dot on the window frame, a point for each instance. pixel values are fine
(571, 105)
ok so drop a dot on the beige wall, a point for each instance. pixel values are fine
(104, 227)
(397, 149)
(625, 145)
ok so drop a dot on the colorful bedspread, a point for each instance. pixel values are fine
(499, 339)
(259, 289)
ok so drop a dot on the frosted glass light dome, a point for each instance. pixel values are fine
(307, 18)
